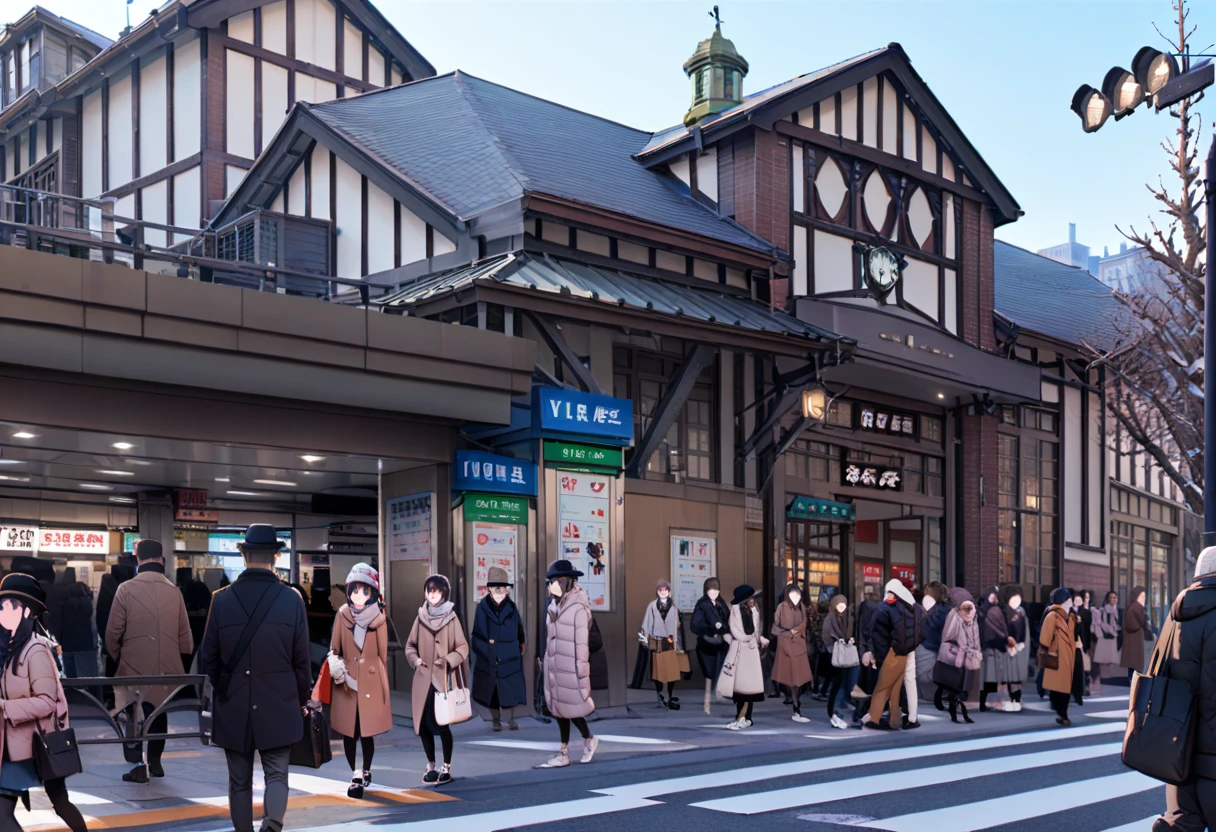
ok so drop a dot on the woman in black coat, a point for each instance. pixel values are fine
(498, 644)
(710, 623)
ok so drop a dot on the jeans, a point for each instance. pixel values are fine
(240, 788)
(848, 679)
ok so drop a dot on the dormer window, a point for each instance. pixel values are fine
(728, 85)
(702, 91)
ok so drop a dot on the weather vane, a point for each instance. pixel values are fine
(717, 18)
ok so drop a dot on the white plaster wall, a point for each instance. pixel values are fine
(413, 237)
(951, 231)
(379, 230)
(707, 173)
(920, 286)
(154, 201)
(120, 133)
(90, 146)
(951, 301)
(187, 109)
(349, 221)
(274, 27)
(442, 244)
(910, 129)
(352, 50)
(314, 90)
(315, 32)
(232, 178)
(929, 149)
(240, 27)
(296, 192)
(869, 94)
(848, 113)
(797, 175)
(669, 261)
(833, 263)
(679, 167)
(319, 184)
(153, 120)
(397, 76)
(375, 66)
(274, 100)
(890, 118)
(1097, 488)
(1071, 485)
(800, 261)
(827, 115)
(187, 200)
(239, 122)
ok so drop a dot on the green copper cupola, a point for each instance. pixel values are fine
(716, 70)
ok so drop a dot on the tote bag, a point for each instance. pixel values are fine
(313, 749)
(726, 679)
(453, 704)
(844, 654)
(1160, 735)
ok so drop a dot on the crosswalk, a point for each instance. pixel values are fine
(959, 786)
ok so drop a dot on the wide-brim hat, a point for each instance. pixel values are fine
(498, 577)
(24, 588)
(261, 537)
(743, 593)
(562, 569)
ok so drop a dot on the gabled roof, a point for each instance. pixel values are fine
(1051, 299)
(472, 146)
(70, 27)
(764, 108)
(685, 301)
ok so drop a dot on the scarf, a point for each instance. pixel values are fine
(749, 624)
(363, 619)
(11, 644)
(663, 606)
(438, 613)
(150, 566)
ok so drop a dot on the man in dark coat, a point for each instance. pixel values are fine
(76, 635)
(260, 694)
(498, 644)
(894, 633)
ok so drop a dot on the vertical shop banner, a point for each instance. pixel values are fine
(693, 559)
(584, 508)
(493, 545)
(410, 528)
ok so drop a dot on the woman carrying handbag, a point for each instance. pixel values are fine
(35, 710)
(839, 642)
(435, 647)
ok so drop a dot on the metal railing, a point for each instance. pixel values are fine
(134, 726)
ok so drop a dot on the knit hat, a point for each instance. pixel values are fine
(1206, 563)
(364, 573)
(1060, 595)
(901, 591)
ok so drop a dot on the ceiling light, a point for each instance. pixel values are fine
(243, 494)
(96, 487)
(22, 434)
(276, 482)
(137, 462)
(11, 461)
(122, 446)
(311, 458)
(118, 473)
(14, 479)
(221, 479)
(122, 499)
(941, 395)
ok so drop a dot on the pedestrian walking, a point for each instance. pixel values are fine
(255, 652)
(867, 671)
(119, 574)
(791, 667)
(1079, 674)
(936, 603)
(436, 649)
(1057, 648)
(77, 637)
(360, 709)
(148, 632)
(841, 645)
(1085, 632)
(892, 637)
(742, 676)
(1004, 633)
(1135, 632)
(33, 702)
(1106, 629)
(498, 644)
(567, 665)
(711, 624)
(661, 627)
(959, 655)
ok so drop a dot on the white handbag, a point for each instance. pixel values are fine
(844, 654)
(726, 678)
(453, 704)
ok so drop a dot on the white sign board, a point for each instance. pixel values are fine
(584, 508)
(19, 539)
(693, 559)
(73, 542)
(410, 528)
(493, 545)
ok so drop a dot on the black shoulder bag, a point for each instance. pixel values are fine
(251, 628)
(1160, 736)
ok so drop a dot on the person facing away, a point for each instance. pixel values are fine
(261, 683)
(892, 637)
(148, 632)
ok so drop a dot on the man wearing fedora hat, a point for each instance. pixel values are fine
(260, 685)
(148, 632)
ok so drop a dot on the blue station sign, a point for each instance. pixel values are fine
(588, 414)
(481, 471)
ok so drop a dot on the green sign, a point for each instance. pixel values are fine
(809, 508)
(496, 508)
(584, 457)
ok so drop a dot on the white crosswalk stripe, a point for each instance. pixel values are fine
(1136, 826)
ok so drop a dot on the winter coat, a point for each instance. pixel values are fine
(836, 626)
(935, 620)
(994, 628)
(110, 582)
(899, 626)
(272, 680)
(1106, 635)
(76, 617)
(567, 665)
(960, 645)
(498, 643)
(598, 659)
(744, 654)
(147, 634)
(791, 667)
(1194, 661)
(711, 639)
(369, 698)
(1085, 629)
(1059, 636)
(433, 649)
(1134, 629)
(32, 698)
(865, 622)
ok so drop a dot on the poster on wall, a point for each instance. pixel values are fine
(493, 545)
(408, 521)
(73, 542)
(583, 511)
(19, 539)
(693, 559)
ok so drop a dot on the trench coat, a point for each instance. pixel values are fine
(33, 696)
(1059, 636)
(744, 658)
(792, 666)
(147, 634)
(427, 645)
(370, 699)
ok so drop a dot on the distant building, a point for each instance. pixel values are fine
(1127, 271)
(1071, 253)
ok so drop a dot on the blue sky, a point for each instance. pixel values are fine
(1005, 69)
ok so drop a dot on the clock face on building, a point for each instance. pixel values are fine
(881, 272)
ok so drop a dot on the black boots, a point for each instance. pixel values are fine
(938, 699)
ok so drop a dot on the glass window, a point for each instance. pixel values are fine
(936, 572)
(935, 484)
(728, 85)
(702, 83)
(841, 414)
(1027, 499)
(914, 477)
(931, 428)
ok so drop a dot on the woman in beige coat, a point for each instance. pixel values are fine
(791, 667)
(567, 665)
(436, 647)
(357, 650)
(742, 677)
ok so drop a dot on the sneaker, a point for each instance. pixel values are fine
(445, 776)
(589, 746)
(430, 777)
(139, 774)
(797, 717)
(837, 722)
(1017, 707)
(513, 725)
(496, 727)
(747, 723)
(734, 724)
(559, 760)
(355, 789)
(156, 770)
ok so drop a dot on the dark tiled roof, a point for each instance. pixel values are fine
(472, 145)
(1052, 299)
(612, 287)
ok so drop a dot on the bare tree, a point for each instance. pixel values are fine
(1157, 394)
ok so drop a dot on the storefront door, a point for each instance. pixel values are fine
(813, 556)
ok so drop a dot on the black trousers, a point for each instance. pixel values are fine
(429, 729)
(57, 791)
(240, 788)
(1059, 703)
(369, 747)
(1196, 806)
(563, 728)
(160, 725)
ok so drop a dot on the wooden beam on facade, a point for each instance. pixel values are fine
(670, 407)
(558, 346)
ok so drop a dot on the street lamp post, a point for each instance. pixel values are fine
(1155, 79)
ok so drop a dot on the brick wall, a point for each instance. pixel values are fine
(978, 286)
(980, 452)
(214, 90)
(762, 194)
(1086, 576)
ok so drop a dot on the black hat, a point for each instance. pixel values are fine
(261, 537)
(562, 569)
(742, 593)
(148, 549)
(25, 588)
